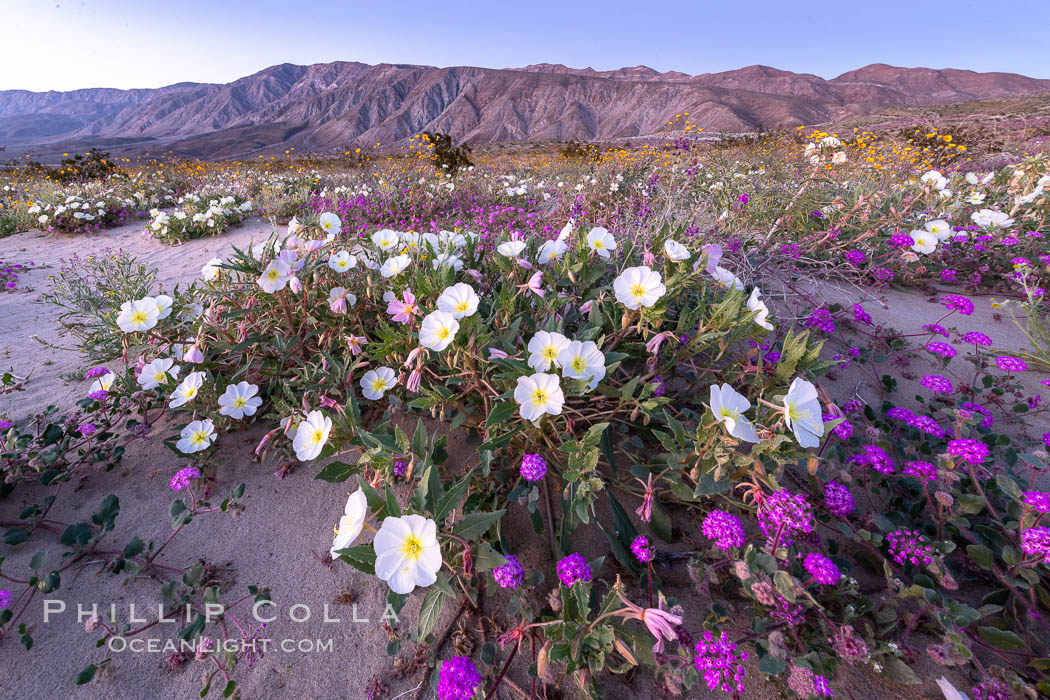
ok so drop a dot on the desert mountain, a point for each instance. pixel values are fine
(332, 105)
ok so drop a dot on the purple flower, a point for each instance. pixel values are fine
(1008, 363)
(856, 257)
(909, 546)
(400, 466)
(457, 679)
(901, 240)
(183, 477)
(87, 429)
(822, 569)
(949, 275)
(881, 273)
(511, 574)
(874, 457)
(533, 467)
(95, 372)
(900, 413)
(821, 319)
(954, 302)
(936, 329)
(1038, 500)
(977, 338)
(1035, 542)
(938, 384)
(943, 349)
(5, 599)
(785, 513)
(929, 426)
(5, 424)
(861, 316)
(923, 471)
(642, 550)
(719, 663)
(838, 499)
(573, 568)
(844, 430)
(659, 386)
(1046, 440)
(98, 395)
(970, 451)
(725, 529)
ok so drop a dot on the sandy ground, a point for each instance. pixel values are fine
(278, 541)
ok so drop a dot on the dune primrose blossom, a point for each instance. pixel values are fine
(544, 350)
(438, 330)
(351, 523)
(311, 435)
(198, 435)
(240, 400)
(140, 315)
(187, 390)
(583, 361)
(728, 407)
(639, 286)
(458, 679)
(377, 382)
(157, 372)
(330, 223)
(407, 552)
(538, 395)
(572, 569)
(756, 304)
(802, 413)
(459, 300)
(600, 241)
(342, 261)
(675, 251)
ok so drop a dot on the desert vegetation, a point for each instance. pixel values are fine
(730, 416)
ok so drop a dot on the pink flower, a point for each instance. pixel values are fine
(585, 307)
(660, 623)
(403, 311)
(653, 346)
(645, 511)
(533, 285)
(356, 343)
(497, 354)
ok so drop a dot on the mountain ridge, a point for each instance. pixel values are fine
(326, 106)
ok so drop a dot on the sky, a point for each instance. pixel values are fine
(70, 44)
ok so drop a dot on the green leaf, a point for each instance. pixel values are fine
(487, 558)
(429, 612)
(983, 556)
(452, 497)
(896, 670)
(474, 525)
(337, 472)
(771, 665)
(500, 413)
(361, 557)
(86, 675)
(1002, 639)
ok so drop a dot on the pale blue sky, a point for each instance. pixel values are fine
(67, 44)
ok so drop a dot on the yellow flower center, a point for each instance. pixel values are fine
(599, 245)
(638, 291)
(273, 274)
(240, 402)
(443, 333)
(579, 364)
(539, 397)
(159, 377)
(138, 317)
(550, 353)
(317, 436)
(462, 307)
(199, 437)
(412, 547)
(379, 384)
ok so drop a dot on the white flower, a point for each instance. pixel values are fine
(726, 278)
(330, 223)
(949, 691)
(756, 304)
(583, 361)
(935, 178)
(675, 251)
(339, 298)
(275, 277)
(438, 330)
(802, 413)
(989, 218)
(43, 218)
(601, 241)
(407, 553)
(544, 350)
(211, 269)
(460, 300)
(240, 400)
(566, 231)
(728, 407)
(197, 436)
(830, 142)
(639, 286)
(510, 249)
(342, 261)
(839, 158)
(551, 250)
(352, 522)
(925, 242)
(187, 390)
(157, 372)
(293, 226)
(164, 303)
(377, 382)
(104, 382)
(448, 260)
(538, 395)
(385, 239)
(395, 266)
(409, 240)
(939, 228)
(138, 315)
(311, 435)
